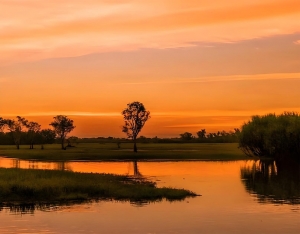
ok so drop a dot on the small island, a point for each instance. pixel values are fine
(46, 186)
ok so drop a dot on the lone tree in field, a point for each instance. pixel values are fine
(62, 125)
(135, 117)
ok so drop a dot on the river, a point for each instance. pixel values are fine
(237, 197)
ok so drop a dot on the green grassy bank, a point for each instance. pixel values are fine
(20, 185)
(110, 151)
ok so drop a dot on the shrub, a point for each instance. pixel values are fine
(274, 136)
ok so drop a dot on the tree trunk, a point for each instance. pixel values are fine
(62, 144)
(18, 146)
(134, 146)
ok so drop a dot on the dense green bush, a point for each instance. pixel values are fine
(275, 136)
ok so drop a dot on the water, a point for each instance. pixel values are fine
(230, 201)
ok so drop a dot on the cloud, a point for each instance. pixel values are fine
(74, 113)
(275, 76)
(78, 28)
(297, 42)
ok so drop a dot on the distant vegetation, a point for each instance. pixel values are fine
(22, 132)
(273, 136)
(148, 151)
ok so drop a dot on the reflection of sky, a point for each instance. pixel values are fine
(224, 206)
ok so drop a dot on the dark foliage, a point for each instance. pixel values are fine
(62, 125)
(274, 136)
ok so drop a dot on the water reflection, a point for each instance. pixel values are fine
(272, 182)
(30, 208)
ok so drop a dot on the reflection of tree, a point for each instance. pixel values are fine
(273, 182)
(16, 163)
(30, 208)
(136, 171)
(62, 166)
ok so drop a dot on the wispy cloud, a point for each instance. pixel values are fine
(96, 26)
(275, 76)
(297, 42)
(73, 113)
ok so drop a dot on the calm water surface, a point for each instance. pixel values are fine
(232, 201)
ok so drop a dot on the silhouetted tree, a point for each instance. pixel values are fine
(46, 136)
(16, 128)
(201, 134)
(186, 136)
(33, 130)
(2, 124)
(62, 125)
(135, 117)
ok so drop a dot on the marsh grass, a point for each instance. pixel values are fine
(110, 151)
(26, 185)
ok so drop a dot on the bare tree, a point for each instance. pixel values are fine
(62, 125)
(135, 116)
(16, 128)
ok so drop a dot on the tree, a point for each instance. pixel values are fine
(2, 124)
(33, 130)
(62, 125)
(46, 136)
(186, 136)
(201, 134)
(135, 116)
(16, 128)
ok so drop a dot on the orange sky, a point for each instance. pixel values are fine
(194, 64)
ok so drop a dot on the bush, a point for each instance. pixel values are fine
(274, 136)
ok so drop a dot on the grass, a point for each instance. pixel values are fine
(110, 151)
(20, 185)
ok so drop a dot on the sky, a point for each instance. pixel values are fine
(193, 64)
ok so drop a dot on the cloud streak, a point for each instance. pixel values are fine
(71, 28)
(276, 76)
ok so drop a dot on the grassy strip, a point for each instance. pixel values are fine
(19, 185)
(106, 152)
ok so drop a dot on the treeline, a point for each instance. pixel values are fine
(186, 137)
(214, 137)
(45, 136)
(21, 131)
